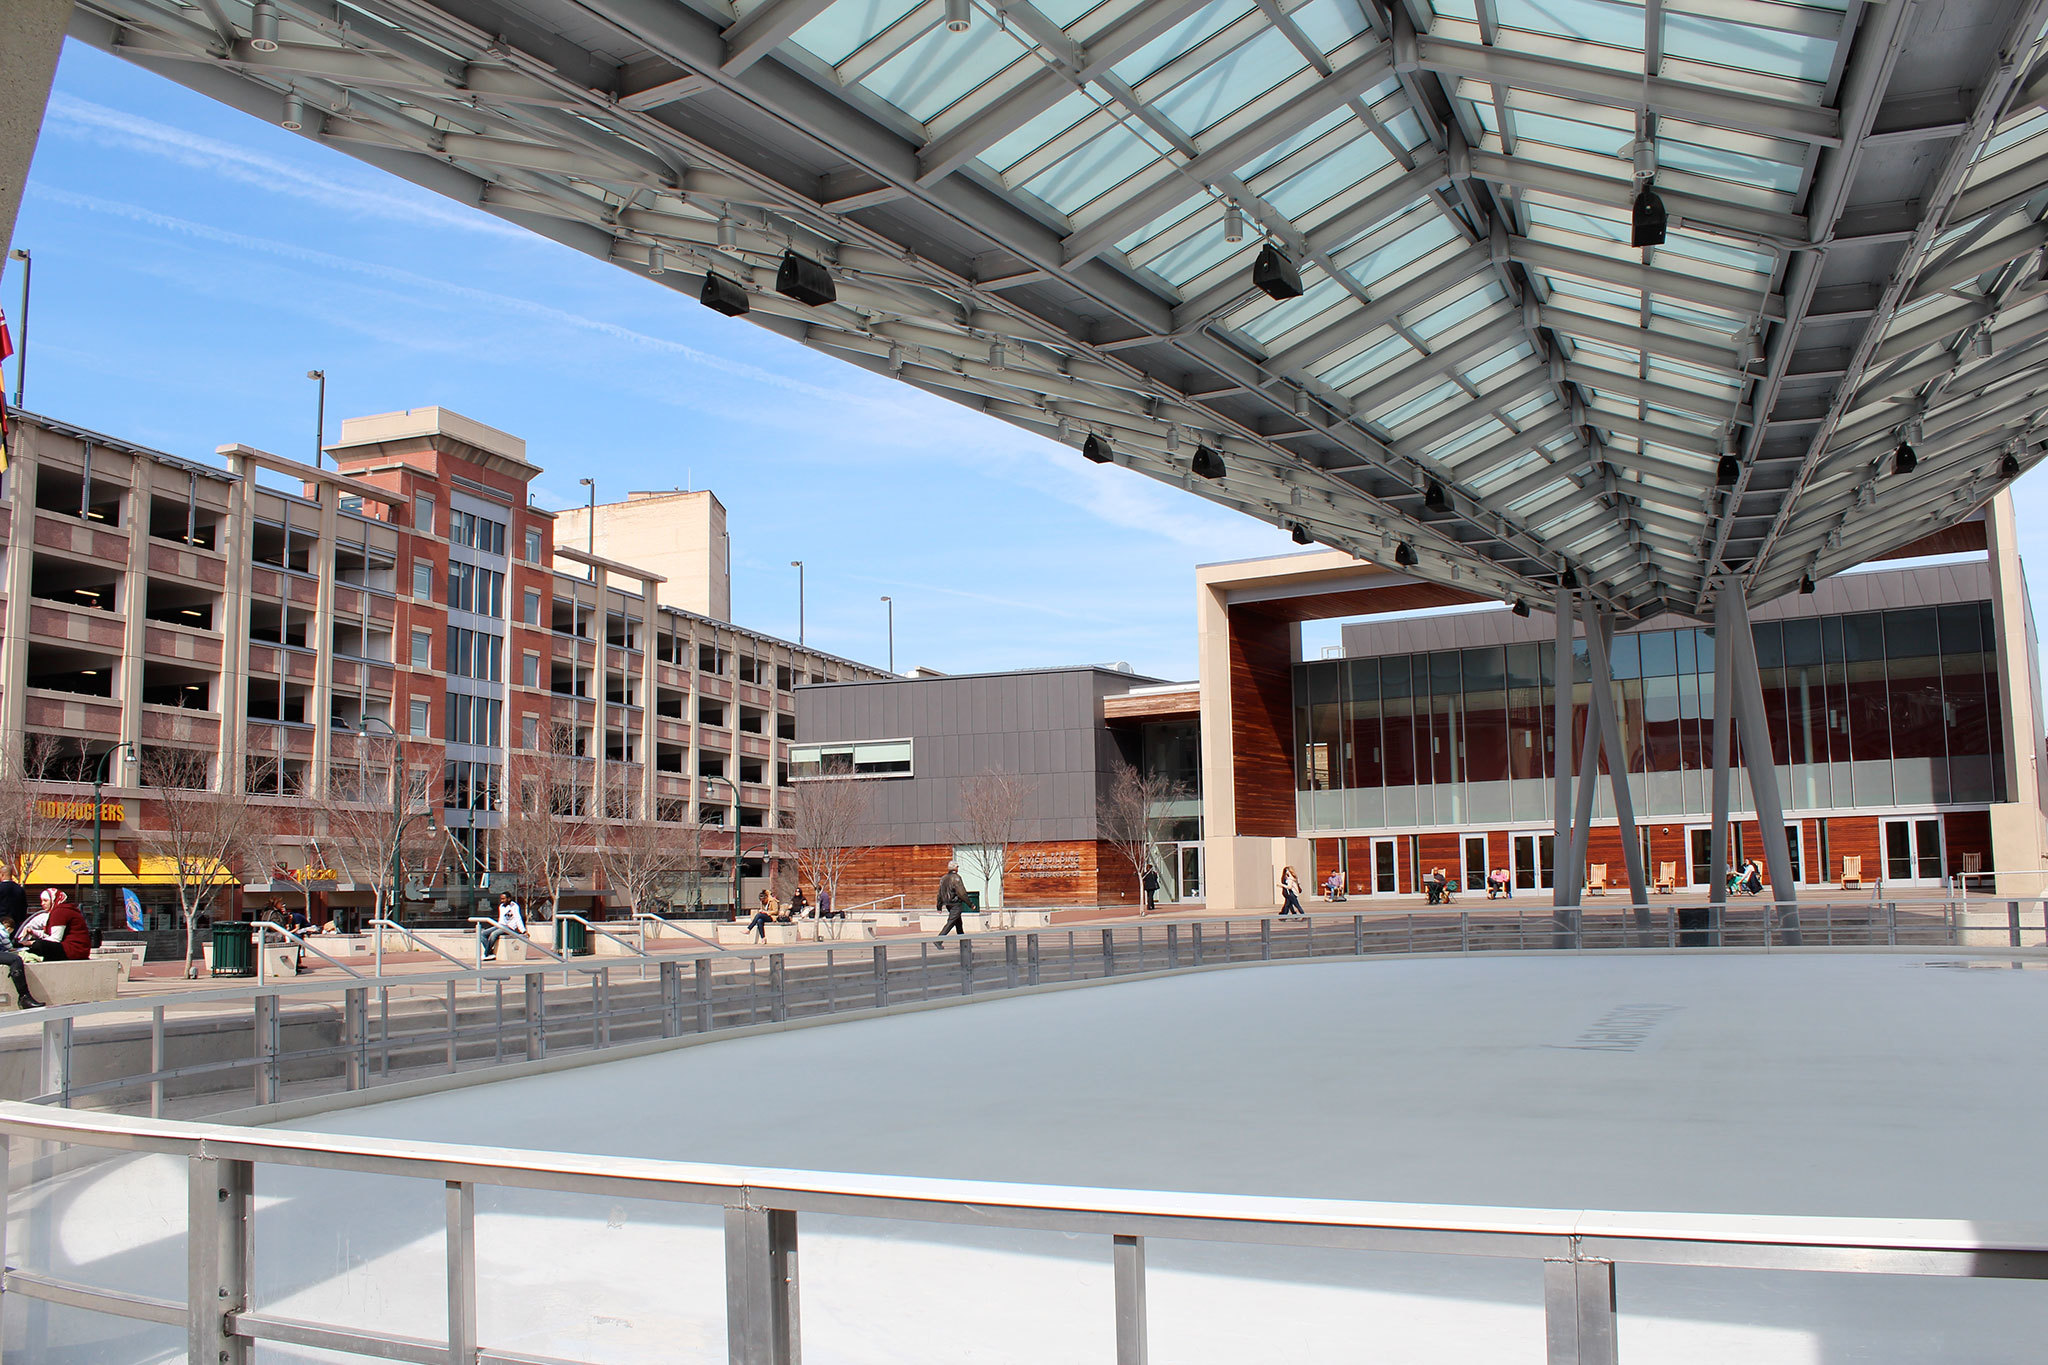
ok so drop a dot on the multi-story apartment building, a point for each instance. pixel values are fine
(271, 614)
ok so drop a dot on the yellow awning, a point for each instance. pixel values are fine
(164, 872)
(67, 869)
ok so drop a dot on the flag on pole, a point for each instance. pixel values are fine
(133, 905)
(6, 350)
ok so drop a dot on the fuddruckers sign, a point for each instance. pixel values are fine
(74, 808)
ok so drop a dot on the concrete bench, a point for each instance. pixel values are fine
(1018, 919)
(973, 922)
(736, 935)
(891, 919)
(127, 956)
(66, 983)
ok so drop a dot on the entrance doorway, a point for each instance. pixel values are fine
(1475, 862)
(1912, 850)
(1534, 856)
(1386, 879)
(1699, 843)
(1180, 871)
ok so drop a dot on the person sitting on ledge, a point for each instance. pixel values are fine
(55, 933)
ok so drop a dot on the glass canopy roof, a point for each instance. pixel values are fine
(1051, 210)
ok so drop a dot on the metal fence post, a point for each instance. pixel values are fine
(881, 970)
(1358, 935)
(1010, 960)
(1031, 959)
(1128, 1258)
(448, 1012)
(778, 987)
(703, 995)
(1173, 945)
(268, 1037)
(1265, 940)
(462, 1335)
(536, 1017)
(1891, 924)
(57, 1059)
(217, 1254)
(966, 965)
(1578, 1311)
(762, 1318)
(355, 1036)
(1109, 952)
(1464, 931)
(2012, 921)
(156, 1063)
(1195, 943)
(671, 999)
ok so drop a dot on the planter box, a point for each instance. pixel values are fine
(973, 922)
(1019, 919)
(66, 983)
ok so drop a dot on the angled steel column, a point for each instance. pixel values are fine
(1757, 757)
(1561, 769)
(1599, 632)
(1582, 814)
(1724, 716)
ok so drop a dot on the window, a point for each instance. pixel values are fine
(423, 513)
(473, 720)
(475, 654)
(476, 532)
(529, 673)
(532, 613)
(423, 579)
(474, 589)
(533, 544)
(861, 758)
(419, 717)
(423, 649)
(529, 731)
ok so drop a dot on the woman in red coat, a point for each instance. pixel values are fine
(57, 931)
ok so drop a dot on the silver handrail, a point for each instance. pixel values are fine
(266, 927)
(381, 925)
(528, 940)
(665, 925)
(1576, 1248)
(639, 950)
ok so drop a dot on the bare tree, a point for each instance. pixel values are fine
(991, 815)
(1127, 812)
(208, 837)
(829, 817)
(646, 860)
(367, 832)
(33, 819)
(550, 835)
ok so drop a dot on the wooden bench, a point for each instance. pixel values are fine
(66, 983)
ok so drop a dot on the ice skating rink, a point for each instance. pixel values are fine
(1834, 1085)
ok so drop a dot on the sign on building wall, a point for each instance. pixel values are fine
(1049, 863)
(73, 808)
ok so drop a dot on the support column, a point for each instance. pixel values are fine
(31, 36)
(1561, 769)
(1724, 720)
(1582, 816)
(1599, 631)
(1748, 701)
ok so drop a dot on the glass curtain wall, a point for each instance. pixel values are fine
(1894, 708)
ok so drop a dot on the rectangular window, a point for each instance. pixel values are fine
(423, 649)
(529, 674)
(423, 514)
(423, 579)
(529, 731)
(533, 544)
(419, 717)
(532, 613)
(862, 758)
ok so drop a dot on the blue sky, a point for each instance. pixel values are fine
(192, 263)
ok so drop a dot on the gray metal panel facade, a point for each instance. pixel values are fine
(1044, 725)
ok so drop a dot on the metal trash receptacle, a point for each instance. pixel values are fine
(572, 938)
(233, 948)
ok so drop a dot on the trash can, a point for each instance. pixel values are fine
(572, 937)
(974, 902)
(233, 953)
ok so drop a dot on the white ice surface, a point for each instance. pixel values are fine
(1834, 1086)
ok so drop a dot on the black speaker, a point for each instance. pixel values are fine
(1301, 535)
(803, 279)
(1207, 463)
(1904, 461)
(1095, 449)
(1806, 585)
(1570, 579)
(1647, 220)
(1276, 274)
(1435, 499)
(1404, 555)
(1521, 607)
(721, 295)
(1728, 471)
(2009, 467)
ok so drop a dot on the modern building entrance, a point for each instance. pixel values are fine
(1535, 861)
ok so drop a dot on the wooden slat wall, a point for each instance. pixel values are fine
(1967, 831)
(914, 870)
(1262, 723)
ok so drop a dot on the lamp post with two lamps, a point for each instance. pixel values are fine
(890, 603)
(319, 417)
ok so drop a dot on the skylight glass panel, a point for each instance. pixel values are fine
(1523, 411)
(1189, 33)
(1433, 325)
(1280, 318)
(2020, 131)
(1330, 176)
(1455, 9)
(1394, 348)
(1293, 144)
(1595, 139)
(1592, 21)
(938, 69)
(1487, 369)
(1741, 47)
(1698, 247)
(1507, 471)
(1330, 24)
(1564, 220)
(1664, 308)
(1420, 404)
(1035, 133)
(1407, 129)
(840, 31)
(1100, 166)
(1228, 84)
(1066, 13)
(1721, 164)
(1598, 293)
(1200, 252)
(1376, 265)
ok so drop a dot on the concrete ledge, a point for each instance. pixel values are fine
(973, 922)
(66, 983)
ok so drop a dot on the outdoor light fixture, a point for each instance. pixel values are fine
(1096, 450)
(722, 295)
(996, 353)
(1207, 463)
(1521, 607)
(1728, 471)
(294, 116)
(1434, 497)
(1300, 534)
(1275, 274)
(1233, 223)
(1984, 342)
(1404, 555)
(958, 16)
(2009, 467)
(728, 234)
(656, 263)
(805, 280)
(263, 26)
(1903, 459)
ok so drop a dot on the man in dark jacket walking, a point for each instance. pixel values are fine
(953, 900)
(1151, 885)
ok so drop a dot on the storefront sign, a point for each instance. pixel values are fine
(73, 808)
(1048, 863)
(314, 878)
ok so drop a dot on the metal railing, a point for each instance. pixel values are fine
(381, 927)
(1578, 1250)
(664, 925)
(265, 927)
(215, 1050)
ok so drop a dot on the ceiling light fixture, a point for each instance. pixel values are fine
(294, 116)
(1984, 342)
(2009, 466)
(728, 234)
(657, 263)
(998, 353)
(263, 26)
(958, 16)
(1434, 497)
(1903, 459)
(1404, 555)
(1233, 223)
(1300, 534)
(1521, 608)
(1096, 450)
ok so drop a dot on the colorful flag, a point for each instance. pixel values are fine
(6, 350)
(133, 905)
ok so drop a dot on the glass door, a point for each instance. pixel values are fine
(1385, 880)
(1699, 842)
(1534, 855)
(1912, 850)
(1190, 872)
(1475, 862)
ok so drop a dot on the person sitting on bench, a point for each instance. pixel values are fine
(56, 932)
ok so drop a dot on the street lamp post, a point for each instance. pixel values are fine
(729, 785)
(890, 603)
(590, 541)
(319, 417)
(798, 565)
(99, 780)
(399, 820)
(28, 266)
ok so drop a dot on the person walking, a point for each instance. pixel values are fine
(1290, 893)
(511, 923)
(1151, 884)
(953, 900)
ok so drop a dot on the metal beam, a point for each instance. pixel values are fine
(764, 28)
(1758, 757)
